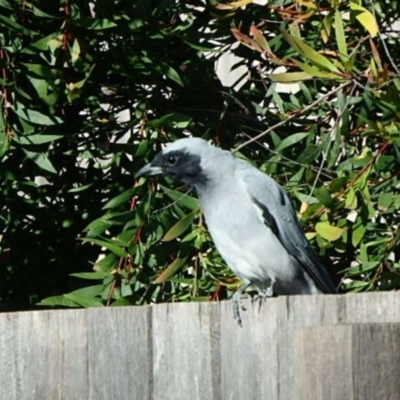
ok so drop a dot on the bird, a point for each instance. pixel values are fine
(249, 217)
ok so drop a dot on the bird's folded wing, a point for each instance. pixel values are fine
(279, 216)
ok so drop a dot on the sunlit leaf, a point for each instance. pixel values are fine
(365, 18)
(290, 77)
(328, 231)
(309, 53)
(340, 36)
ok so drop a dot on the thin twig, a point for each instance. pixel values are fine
(360, 42)
(388, 55)
(289, 159)
(238, 102)
(392, 63)
(293, 116)
(173, 203)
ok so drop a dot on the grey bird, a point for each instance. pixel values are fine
(249, 217)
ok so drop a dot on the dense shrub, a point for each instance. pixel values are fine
(90, 91)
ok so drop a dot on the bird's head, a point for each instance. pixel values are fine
(183, 160)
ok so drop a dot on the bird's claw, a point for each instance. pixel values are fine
(236, 313)
(262, 296)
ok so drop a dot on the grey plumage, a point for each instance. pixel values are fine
(249, 216)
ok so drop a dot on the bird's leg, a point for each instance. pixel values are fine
(237, 302)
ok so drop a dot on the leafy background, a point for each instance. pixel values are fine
(91, 90)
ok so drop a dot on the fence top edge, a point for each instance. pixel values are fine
(289, 300)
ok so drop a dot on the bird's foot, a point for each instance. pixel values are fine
(237, 303)
(237, 306)
(262, 296)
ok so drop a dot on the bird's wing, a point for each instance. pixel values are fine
(279, 216)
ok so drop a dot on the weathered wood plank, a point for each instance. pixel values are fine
(358, 362)
(43, 355)
(120, 354)
(250, 354)
(184, 344)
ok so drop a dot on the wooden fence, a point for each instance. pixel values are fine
(299, 347)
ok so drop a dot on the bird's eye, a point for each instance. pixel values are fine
(171, 160)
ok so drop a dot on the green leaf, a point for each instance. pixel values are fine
(309, 154)
(75, 51)
(121, 199)
(176, 120)
(84, 301)
(89, 291)
(179, 227)
(142, 148)
(4, 141)
(12, 25)
(337, 184)
(309, 53)
(80, 188)
(397, 201)
(35, 117)
(290, 77)
(323, 195)
(327, 27)
(121, 303)
(39, 13)
(91, 275)
(119, 251)
(260, 39)
(340, 36)
(43, 71)
(95, 24)
(54, 301)
(358, 232)
(173, 75)
(98, 226)
(168, 272)
(328, 231)
(384, 201)
(351, 199)
(108, 263)
(315, 72)
(125, 288)
(291, 140)
(36, 139)
(41, 160)
(182, 199)
(363, 268)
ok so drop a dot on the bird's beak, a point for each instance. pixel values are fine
(148, 170)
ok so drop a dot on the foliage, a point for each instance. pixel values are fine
(90, 91)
